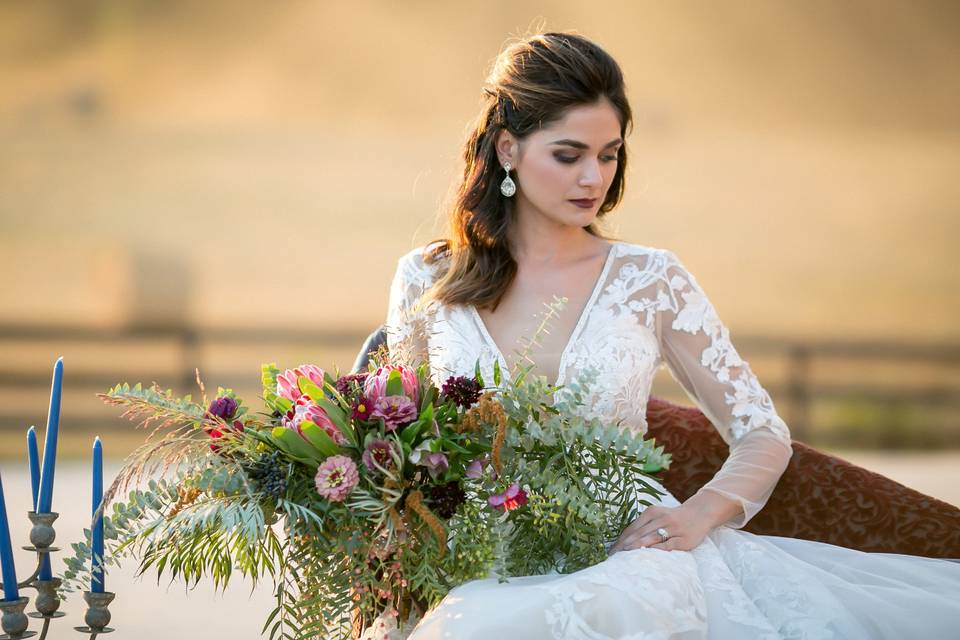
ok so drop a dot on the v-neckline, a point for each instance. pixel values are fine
(573, 335)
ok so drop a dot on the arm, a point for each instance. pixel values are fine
(696, 347)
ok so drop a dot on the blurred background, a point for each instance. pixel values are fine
(215, 185)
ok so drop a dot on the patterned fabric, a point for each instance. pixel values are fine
(819, 497)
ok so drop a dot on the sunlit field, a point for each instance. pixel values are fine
(240, 165)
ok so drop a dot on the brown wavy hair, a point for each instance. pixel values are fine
(532, 84)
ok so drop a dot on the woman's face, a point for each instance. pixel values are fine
(574, 158)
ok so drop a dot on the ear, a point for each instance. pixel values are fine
(507, 147)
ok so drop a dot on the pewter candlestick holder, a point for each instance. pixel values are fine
(15, 622)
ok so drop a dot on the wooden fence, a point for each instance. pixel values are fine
(798, 374)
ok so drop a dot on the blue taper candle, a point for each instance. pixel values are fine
(97, 572)
(45, 499)
(33, 459)
(6, 553)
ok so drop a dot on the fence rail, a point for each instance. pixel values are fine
(798, 389)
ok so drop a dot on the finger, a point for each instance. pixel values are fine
(647, 540)
(633, 528)
(631, 542)
(618, 546)
(625, 543)
(645, 517)
(665, 521)
(652, 511)
(676, 543)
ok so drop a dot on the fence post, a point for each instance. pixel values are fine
(798, 391)
(190, 357)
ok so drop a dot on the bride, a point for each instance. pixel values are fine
(545, 160)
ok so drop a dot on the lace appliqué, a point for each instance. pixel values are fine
(750, 403)
(793, 607)
(671, 603)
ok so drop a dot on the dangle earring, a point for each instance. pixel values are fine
(508, 187)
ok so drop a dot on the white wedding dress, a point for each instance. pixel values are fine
(647, 310)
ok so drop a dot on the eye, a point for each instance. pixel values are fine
(572, 159)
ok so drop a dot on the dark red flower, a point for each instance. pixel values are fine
(351, 384)
(361, 408)
(509, 500)
(462, 390)
(216, 433)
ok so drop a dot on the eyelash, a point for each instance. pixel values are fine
(569, 160)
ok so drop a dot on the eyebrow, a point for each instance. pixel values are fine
(579, 145)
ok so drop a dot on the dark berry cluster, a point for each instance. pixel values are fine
(462, 390)
(269, 474)
(444, 499)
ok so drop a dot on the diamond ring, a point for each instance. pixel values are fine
(664, 536)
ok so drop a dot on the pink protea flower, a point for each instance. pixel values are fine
(304, 409)
(336, 478)
(509, 500)
(375, 386)
(379, 451)
(396, 411)
(287, 386)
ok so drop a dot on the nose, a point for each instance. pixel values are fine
(591, 176)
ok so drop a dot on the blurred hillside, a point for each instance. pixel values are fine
(240, 164)
(181, 158)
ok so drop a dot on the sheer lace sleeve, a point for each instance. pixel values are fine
(406, 319)
(696, 347)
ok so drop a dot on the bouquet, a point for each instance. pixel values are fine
(366, 497)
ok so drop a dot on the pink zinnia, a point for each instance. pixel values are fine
(289, 388)
(509, 500)
(396, 411)
(336, 478)
(305, 409)
(375, 386)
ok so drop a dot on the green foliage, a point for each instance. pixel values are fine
(585, 479)
(253, 509)
(268, 376)
(161, 403)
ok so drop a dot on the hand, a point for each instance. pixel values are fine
(686, 526)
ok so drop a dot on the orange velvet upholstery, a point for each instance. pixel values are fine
(819, 497)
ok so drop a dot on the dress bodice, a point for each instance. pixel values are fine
(646, 310)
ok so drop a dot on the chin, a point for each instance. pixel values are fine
(577, 222)
(584, 219)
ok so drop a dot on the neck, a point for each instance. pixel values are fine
(539, 240)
